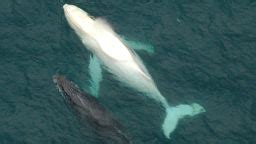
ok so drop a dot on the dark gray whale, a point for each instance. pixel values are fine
(88, 106)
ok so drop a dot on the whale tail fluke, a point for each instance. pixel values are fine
(173, 114)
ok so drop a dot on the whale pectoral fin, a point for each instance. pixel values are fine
(95, 72)
(136, 45)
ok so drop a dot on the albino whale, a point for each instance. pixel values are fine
(112, 52)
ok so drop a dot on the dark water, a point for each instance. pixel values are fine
(205, 53)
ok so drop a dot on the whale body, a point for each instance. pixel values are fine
(119, 59)
(89, 108)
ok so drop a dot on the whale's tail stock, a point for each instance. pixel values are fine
(173, 114)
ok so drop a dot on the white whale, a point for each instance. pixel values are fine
(112, 52)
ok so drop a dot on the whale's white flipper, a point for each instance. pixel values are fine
(136, 45)
(95, 72)
(173, 114)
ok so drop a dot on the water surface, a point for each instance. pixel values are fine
(205, 53)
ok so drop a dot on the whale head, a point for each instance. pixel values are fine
(65, 86)
(78, 19)
(70, 91)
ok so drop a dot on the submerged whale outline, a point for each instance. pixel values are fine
(89, 108)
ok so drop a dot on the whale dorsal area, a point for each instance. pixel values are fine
(109, 42)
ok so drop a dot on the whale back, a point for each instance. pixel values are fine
(109, 42)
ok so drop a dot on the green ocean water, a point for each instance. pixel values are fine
(204, 52)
